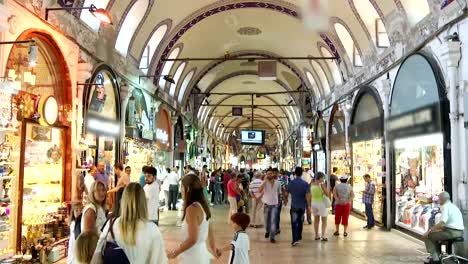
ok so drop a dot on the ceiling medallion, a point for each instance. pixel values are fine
(249, 31)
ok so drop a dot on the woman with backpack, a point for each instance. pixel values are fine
(133, 238)
(94, 213)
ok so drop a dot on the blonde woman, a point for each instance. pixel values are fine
(94, 213)
(85, 247)
(139, 238)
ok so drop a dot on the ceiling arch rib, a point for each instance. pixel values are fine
(129, 25)
(177, 76)
(202, 14)
(283, 123)
(153, 44)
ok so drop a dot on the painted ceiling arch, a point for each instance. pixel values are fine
(199, 18)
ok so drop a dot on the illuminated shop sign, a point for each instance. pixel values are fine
(103, 126)
(412, 119)
(162, 135)
(147, 134)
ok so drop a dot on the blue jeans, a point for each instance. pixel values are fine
(369, 215)
(278, 215)
(270, 219)
(297, 223)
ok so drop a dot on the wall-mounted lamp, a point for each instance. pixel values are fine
(99, 13)
(167, 78)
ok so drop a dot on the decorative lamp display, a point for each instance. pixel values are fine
(48, 110)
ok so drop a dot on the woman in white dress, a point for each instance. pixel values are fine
(196, 229)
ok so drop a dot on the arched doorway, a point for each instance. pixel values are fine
(419, 130)
(35, 136)
(368, 150)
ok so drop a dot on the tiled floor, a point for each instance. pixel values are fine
(363, 247)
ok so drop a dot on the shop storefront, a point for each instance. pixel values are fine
(179, 143)
(367, 149)
(35, 145)
(139, 145)
(418, 130)
(338, 156)
(306, 148)
(163, 141)
(319, 146)
(101, 108)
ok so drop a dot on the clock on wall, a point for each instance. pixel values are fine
(48, 109)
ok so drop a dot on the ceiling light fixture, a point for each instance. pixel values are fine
(100, 13)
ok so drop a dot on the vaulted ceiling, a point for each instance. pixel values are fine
(152, 30)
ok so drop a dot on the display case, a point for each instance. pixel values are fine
(419, 175)
(138, 153)
(339, 159)
(43, 213)
(367, 159)
(9, 168)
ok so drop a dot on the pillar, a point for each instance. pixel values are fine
(450, 54)
(125, 93)
(384, 90)
(326, 119)
(175, 151)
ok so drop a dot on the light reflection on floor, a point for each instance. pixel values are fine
(361, 246)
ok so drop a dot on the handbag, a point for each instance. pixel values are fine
(326, 200)
(110, 252)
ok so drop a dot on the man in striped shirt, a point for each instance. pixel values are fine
(256, 204)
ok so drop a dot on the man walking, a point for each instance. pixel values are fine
(173, 181)
(368, 200)
(333, 180)
(271, 189)
(283, 183)
(257, 205)
(300, 200)
(152, 189)
(102, 175)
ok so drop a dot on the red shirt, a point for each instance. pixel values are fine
(231, 188)
(226, 179)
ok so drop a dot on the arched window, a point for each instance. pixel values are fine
(88, 18)
(151, 47)
(168, 66)
(201, 112)
(129, 26)
(349, 45)
(323, 78)
(184, 85)
(373, 22)
(415, 10)
(177, 76)
(314, 84)
(333, 66)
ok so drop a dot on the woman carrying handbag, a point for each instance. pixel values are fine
(320, 204)
(131, 238)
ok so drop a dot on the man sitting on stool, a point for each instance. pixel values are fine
(449, 227)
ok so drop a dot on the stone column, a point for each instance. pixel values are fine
(326, 118)
(125, 94)
(384, 90)
(5, 16)
(175, 150)
(450, 54)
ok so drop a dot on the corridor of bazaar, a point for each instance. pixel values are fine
(233, 131)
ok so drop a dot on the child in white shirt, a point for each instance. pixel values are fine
(240, 244)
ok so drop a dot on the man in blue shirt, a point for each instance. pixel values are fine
(300, 200)
(368, 201)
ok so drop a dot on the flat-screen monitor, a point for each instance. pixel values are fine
(252, 137)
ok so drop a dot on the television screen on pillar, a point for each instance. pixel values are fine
(252, 137)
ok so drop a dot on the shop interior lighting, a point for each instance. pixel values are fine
(99, 13)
